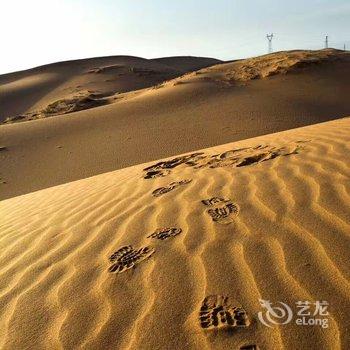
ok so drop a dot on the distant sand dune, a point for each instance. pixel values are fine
(276, 63)
(26, 95)
(132, 74)
(288, 241)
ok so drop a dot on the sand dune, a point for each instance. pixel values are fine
(283, 62)
(200, 109)
(27, 95)
(82, 81)
(137, 258)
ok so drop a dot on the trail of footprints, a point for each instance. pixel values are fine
(216, 311)
(232, 158)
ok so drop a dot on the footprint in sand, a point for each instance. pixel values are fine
(127, 257)
(221, 210)
(163, 168)
(165, 233)
(162, 190)
(221, 312)
(156, 173)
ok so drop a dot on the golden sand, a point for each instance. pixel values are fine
(120, 261)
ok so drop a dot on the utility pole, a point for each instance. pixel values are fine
(344, 47)
(269, 38)
(326, 42)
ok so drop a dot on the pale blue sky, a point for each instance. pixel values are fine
(37, 32)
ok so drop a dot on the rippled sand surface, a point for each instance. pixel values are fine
(120, 261)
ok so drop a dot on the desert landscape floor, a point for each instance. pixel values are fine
(176, 254)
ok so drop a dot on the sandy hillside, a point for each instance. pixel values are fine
(65, 87)
(145, 257)
(215, 105)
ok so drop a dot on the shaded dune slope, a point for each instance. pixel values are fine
(288, 240)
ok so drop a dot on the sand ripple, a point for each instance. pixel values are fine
(288, 241)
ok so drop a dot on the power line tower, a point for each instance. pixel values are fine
(326, 42)
(269, 39)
